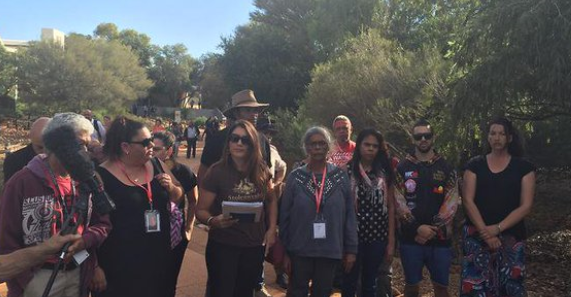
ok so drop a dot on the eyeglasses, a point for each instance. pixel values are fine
(426, 136)
(317, 144)
(235, 138)
(145, 142)
(158, 148)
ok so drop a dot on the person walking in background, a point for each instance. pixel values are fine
(318, 225)
(182, 214)
(100, 131)
(191, 134)
(158, 127)
(18, 159)
(499, 188)
(372, 188)
(135, 258)
(107, 122)
(343, 147)
(427, 199)
(177, 131)
(235, 248)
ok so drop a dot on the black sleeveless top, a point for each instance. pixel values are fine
(135, 262)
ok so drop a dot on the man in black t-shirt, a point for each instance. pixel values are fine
(427, 199)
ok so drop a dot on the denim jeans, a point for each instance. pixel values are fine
(369, 259)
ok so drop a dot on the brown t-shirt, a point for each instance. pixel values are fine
(229, 185)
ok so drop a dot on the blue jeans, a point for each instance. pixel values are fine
(436, 258)
(369, 259)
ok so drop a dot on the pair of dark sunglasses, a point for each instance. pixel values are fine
(145, 142)
(235, 138)
(419, 136)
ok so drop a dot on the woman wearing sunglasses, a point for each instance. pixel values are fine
(182, 215)
(235, 248)
(137, 253)
(318, 224)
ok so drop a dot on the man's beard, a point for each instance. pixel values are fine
(425, 150)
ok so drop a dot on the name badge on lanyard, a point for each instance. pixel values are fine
(152, 221)
(319, 224)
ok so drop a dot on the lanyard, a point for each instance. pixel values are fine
(60, 196)
(148, 182)
(319, 192)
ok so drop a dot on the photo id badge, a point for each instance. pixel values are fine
(152, 221)
(319, 228)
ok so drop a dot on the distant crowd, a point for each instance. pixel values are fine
(334, 221)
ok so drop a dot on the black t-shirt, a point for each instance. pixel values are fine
(214, 147)
(185, 176)
(498, 194)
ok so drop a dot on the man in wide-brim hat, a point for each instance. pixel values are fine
(245, 107)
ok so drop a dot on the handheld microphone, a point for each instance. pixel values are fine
(63, 143)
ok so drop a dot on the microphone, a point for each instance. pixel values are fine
(73, 157)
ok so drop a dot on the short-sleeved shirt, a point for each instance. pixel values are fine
(187, 180)
(498, 194)
(230, 185)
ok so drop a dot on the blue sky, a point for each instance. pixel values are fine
(198, 24)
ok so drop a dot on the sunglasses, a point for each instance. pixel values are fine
(158, 148)
(426, 136)
(249, 109)
(145, 142)
(235, 138)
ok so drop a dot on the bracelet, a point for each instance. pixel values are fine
(208, 221)
(499, 225)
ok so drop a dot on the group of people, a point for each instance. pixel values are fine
(339, 215)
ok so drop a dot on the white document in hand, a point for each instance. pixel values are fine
(245, 212)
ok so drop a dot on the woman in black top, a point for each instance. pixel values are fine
(498, 195)
(372, 189)
(136, 255)
(182, 215)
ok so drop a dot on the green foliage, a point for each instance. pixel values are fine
(171, 72)
(86, 74)
(257, 58)
(8, 67)
(376, 83)
(416, 23)
(210, 76)
(200, 121)
(291, 127)
(514, 57)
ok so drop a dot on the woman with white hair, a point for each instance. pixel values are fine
(39, 199)
(318, 226)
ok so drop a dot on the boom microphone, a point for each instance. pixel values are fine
(73, 157)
